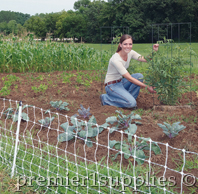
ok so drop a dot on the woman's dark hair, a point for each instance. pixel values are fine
(123, 38)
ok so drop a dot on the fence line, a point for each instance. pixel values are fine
(85, 164)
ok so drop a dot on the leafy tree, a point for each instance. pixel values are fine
(81, 3)
(94, 20)
(20, 30)
(12, 26)
(71, 25)
(3, 27)
(37, 25)
(50, 22)
(6, 16)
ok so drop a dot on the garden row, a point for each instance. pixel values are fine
(85, 130)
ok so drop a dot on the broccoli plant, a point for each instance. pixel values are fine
(81, 129)
(47, 121)
(123, 121)
(171, 131)
(83, 112)
(59, 105)
(10, 113)
(130, 148)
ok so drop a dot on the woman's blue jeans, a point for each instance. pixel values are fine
(122, 94)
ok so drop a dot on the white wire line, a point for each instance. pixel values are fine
(96, 162)
(149, 161)
(67, 169)
(104, 146)
(56, 146)
(165, 166)
(47, 143)
(53, 163)
(182, 174)
(25, 139)
(75, 155)
(85, 159)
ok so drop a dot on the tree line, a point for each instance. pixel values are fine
(12, 22)
(138, 15)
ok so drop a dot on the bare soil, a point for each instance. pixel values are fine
(75, 94)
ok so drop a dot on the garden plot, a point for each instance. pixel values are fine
(84, 88)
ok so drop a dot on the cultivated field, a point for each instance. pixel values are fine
(40, 73)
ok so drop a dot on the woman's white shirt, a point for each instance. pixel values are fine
(118, 67)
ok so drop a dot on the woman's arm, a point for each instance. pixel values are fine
(155, 48)
(137, 82)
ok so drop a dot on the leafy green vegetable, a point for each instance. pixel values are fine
(47, 121)
(171, 130)
(129, 148)
(81, 129)
(24, 116)
(123, 121)
(8, 113)
(59, 105)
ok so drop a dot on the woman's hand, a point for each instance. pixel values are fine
(155, 47)
(151, 89)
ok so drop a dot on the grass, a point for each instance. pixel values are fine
(145, 49)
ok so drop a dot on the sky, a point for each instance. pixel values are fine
(37, 6)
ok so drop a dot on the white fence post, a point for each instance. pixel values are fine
(17, 138)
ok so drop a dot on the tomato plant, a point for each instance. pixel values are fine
(165, 71)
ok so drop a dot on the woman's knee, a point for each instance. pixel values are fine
(131, 104)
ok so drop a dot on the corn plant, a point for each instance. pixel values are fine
(23, 56)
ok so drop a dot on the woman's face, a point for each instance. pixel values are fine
(127, 45)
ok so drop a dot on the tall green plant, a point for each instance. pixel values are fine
(30, 56)
(165, 71)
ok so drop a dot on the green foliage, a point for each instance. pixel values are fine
(116, 40)
(165, 71)
(84, 130)
(47, 121)
(6, 16)
(12, 113)
(8, 113)
(171, 130)
(59, 105)
(72, 25)
(132, 148)
(23, 56)
(41, 88)
(37, 25)
(8, 81)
